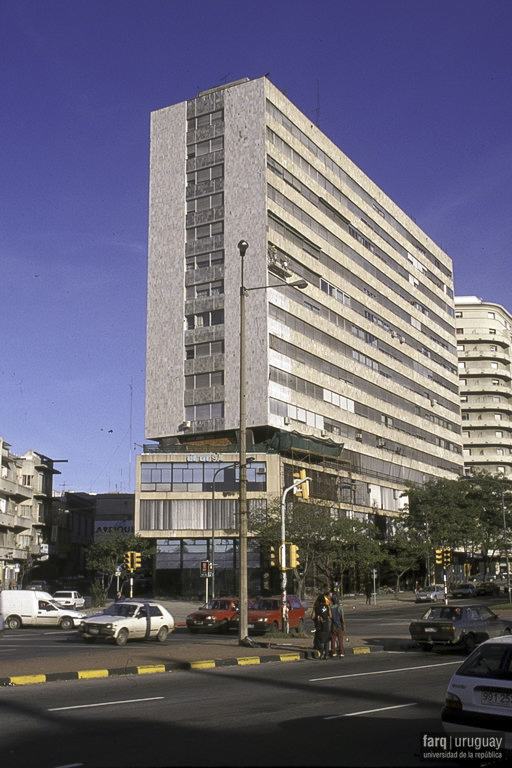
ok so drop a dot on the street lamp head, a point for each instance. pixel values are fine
(242, 247)
(299, 284)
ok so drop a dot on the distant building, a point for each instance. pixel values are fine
(353, 379)
(484, 349)
(29, 522)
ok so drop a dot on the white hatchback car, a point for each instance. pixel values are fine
(127, 620)
(69, 598)
(430, 594)
(479, 695)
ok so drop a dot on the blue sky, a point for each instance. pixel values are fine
(416, 92)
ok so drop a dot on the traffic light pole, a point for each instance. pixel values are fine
(284, 579)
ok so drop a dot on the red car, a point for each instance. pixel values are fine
(265, 614)
(219, 615)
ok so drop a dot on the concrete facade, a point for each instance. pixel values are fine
(363, 361)
(485, 374)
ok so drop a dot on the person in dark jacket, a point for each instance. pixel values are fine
(337, 628)
(321, 615)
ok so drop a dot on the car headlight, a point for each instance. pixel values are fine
(82, 625)
(109, 626)
(452, 701)
(209, 618)
(264, 619)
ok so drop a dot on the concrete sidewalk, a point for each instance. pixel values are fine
(75, 661)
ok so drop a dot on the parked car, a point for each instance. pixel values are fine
(463, 590)
(479, 695)
(487, 588)
(29, 607)
(40, 586)
(220, 615)
(69, 597)
(459, 626)
(127, 620)
(430, 594)
(264, 614)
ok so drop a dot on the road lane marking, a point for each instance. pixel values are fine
(370, 711)
(104, 704)
(384, 671)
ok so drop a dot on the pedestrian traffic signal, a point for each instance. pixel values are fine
(301, 490)
(128, 560)
(136, 559)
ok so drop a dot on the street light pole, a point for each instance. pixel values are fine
(212, 546)
(243, 629)
(242, 522)
(282, 559)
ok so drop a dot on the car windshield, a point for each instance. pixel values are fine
(443, 612)
(265, 605)
(120, 609)
(489, 660)
(217, 605)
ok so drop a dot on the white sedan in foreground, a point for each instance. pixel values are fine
(128, 620)
(479, 696)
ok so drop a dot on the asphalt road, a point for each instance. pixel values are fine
(358, 711)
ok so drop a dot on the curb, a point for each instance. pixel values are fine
(152, 669)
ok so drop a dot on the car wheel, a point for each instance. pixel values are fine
(162, 634)
(66, 623)
(300, 627)
(469, 643)
(89, 640)
(13, 622)
(122, 637)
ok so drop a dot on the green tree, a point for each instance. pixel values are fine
(105, 555)
(326, 543)
(404, 551)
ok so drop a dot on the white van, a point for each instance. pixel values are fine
(29, 607)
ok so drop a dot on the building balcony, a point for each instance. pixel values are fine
(486, 388)
(481, 336)
(15, 491)
(486, 373)
(15, 522)
(10, 554)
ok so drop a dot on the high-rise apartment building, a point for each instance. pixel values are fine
(484, 348)
(353, 378)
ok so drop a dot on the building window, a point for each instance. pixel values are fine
(204, 411)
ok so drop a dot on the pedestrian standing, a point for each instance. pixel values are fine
(321, 615)
(337, 628)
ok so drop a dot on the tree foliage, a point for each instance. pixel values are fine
(105, 555)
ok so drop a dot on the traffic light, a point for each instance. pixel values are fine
(136, 560)
(128, 561)
(302, 490)
(273, 555)
(293, 556)
(447, 557)
(439, 556)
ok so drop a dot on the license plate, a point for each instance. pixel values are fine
(93, 631)
(496, 698)
(430, 629)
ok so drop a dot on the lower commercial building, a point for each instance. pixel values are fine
(350, 350)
